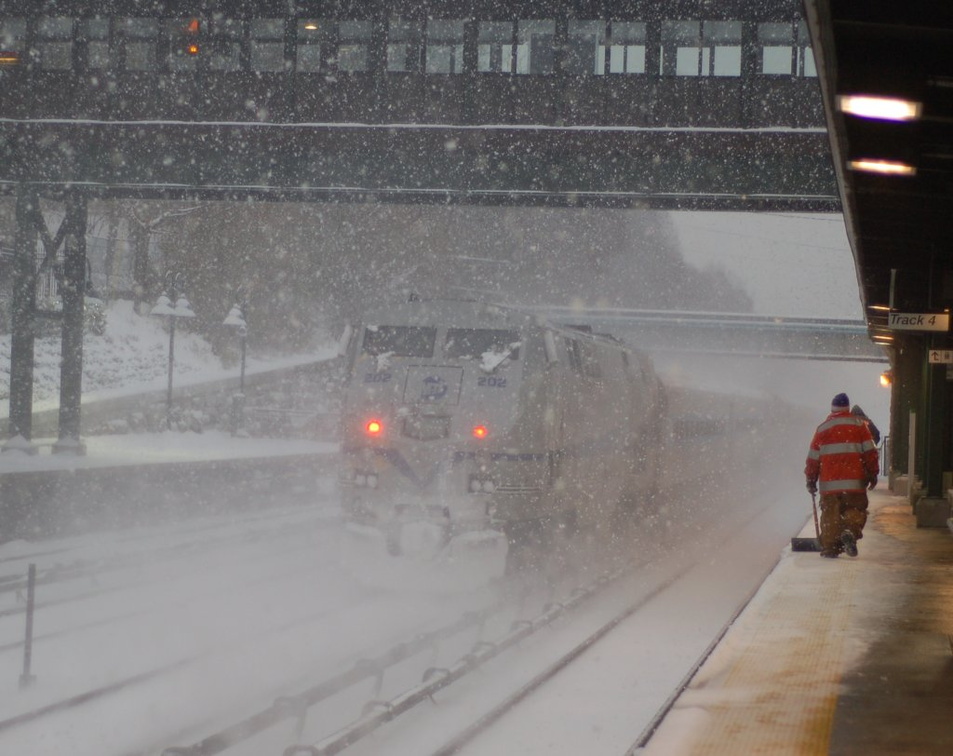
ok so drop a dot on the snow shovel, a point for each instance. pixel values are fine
(809, 544)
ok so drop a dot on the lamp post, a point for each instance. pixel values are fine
(236, 319)
(181, 309)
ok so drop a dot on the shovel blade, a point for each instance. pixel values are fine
(805, 544)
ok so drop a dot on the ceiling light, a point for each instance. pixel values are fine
(887, 167)
(879, 308)
(882, 108)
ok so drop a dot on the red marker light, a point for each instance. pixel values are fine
(479, 431)
(373, 427)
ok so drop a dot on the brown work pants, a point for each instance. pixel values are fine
(840, 511)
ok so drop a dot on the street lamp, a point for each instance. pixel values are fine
(181, 309)
(236, 319)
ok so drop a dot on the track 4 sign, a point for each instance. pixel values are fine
(923, 321)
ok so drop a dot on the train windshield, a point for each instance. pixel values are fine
(481, 343)
(399, 341)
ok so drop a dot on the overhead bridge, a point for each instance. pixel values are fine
(620, 104)
(740, 335)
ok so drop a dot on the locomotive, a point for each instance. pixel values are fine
(470, 430)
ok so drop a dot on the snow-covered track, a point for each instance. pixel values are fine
(297, 705)
(377, 713)
(544, 676)
(142, 677)
(515, 689)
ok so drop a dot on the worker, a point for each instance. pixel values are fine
(843, 463)
(874, 430)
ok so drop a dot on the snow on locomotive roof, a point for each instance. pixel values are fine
(449, 312)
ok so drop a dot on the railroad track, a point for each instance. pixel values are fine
(74, 701)
(508, 612)
(434, 680)
(390, 678)
(378, 713)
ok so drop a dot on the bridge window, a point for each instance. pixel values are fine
(140, 35)
(354, 40)
(722, 41)
(444, 46)
(495, 47)
(585, 54)
(268, 44)
(404, 45)
(784, 51)
(95, 31)
(529, 51)
(681, 48)
(806, 65)
(312, 35)
(183, 39)
(54, 43)
(534, 46)
(627, 47)
(225, 45)
(12, 36)
(777, 48)
(694, 48)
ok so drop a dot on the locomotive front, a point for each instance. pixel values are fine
(431, 389)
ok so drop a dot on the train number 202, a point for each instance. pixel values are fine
(491, 380)
(376, 377)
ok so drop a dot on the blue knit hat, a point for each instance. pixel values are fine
(840, 403)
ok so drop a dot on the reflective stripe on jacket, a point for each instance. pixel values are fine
(842, 456)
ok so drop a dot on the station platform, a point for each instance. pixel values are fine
(833, 656)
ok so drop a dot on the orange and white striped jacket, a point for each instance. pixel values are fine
(842, 456)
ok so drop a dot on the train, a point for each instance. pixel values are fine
(472, 432)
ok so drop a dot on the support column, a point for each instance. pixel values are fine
(933, 510)
(20, 427)
(73, 293)
(905, 398)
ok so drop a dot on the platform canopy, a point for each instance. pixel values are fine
(900, 223)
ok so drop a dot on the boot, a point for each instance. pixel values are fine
(850, 543)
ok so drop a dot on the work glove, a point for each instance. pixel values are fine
(812, 486)
(872, 483)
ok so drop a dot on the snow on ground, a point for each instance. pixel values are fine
(132, 356)
(159, 448)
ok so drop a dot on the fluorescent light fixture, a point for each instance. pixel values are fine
(886, 167)
(881, 108)
(879, 308)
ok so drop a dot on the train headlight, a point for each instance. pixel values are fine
(480, 431)
(488, 486)
(360, 479)
(475, 486)
(372, 480)
(374, 427)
